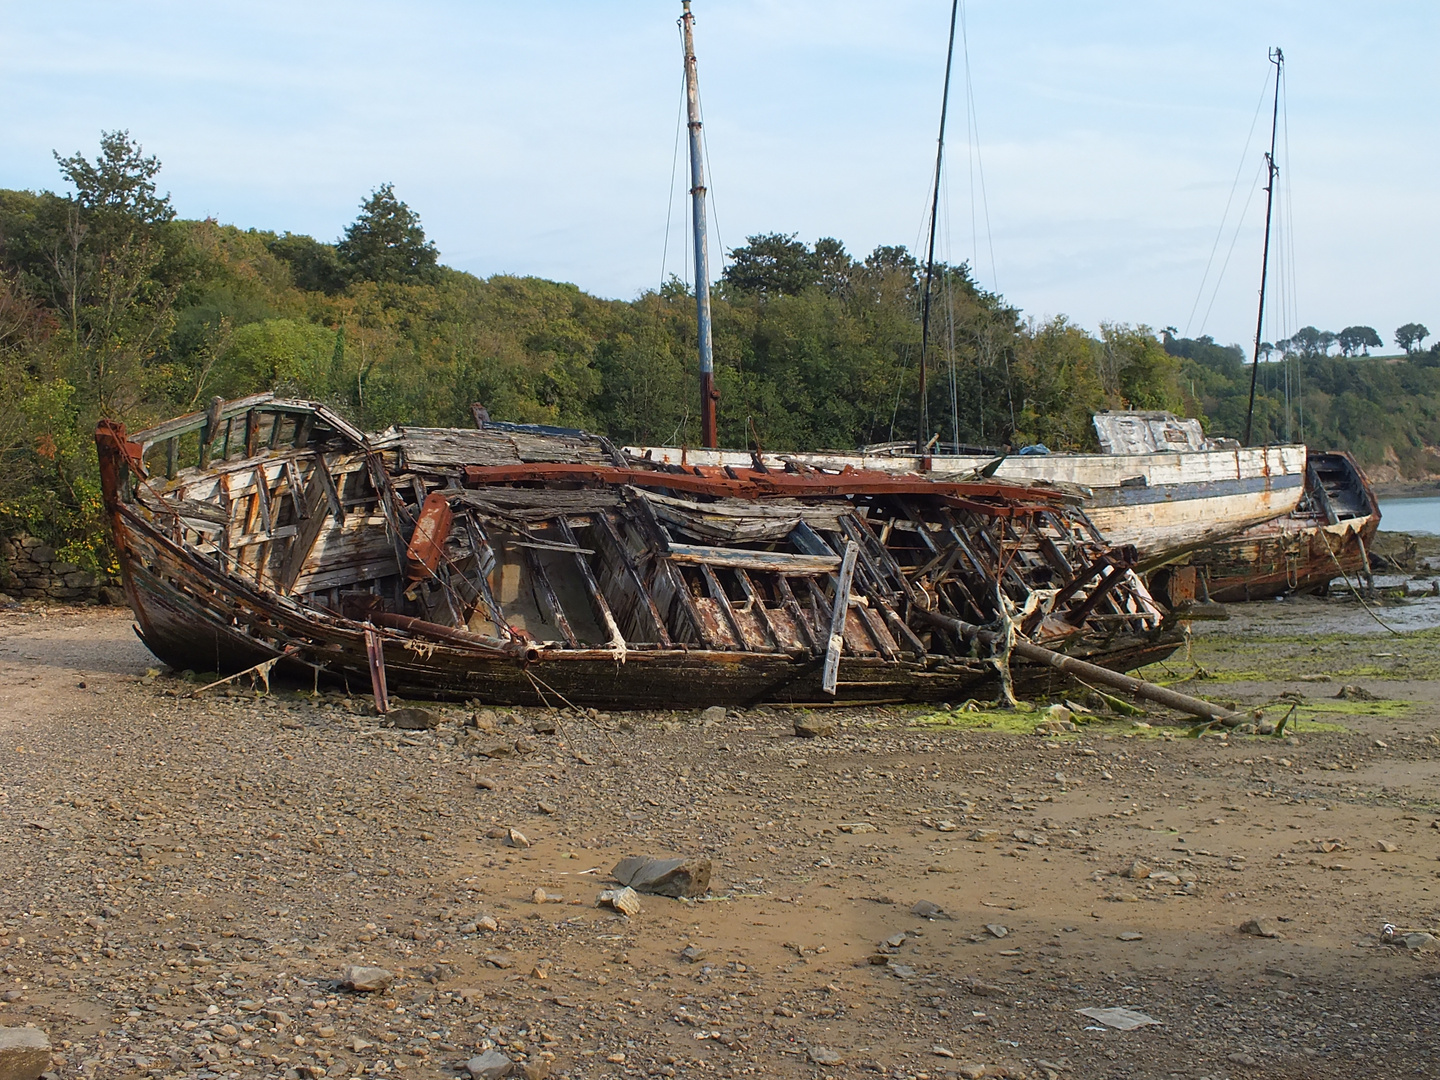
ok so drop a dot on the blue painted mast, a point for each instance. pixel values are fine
(708, 393)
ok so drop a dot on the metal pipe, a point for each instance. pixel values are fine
(1082, 669)
(708, 393)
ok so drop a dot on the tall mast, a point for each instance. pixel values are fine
(1278, 59)
(708, 393)
(923, 433)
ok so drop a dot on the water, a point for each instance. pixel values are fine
(1411, 515)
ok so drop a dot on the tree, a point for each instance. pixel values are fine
(116, 268)
(1409, 336)
(773, 264)
(386, 242)
(1308, 341)
(1358, 339)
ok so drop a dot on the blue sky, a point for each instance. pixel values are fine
(538, 137)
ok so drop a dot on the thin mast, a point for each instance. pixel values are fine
(1278, 59)
(708, 394)
(923, 438)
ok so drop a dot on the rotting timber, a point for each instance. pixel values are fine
(524, 565)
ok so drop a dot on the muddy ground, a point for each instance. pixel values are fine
(183, 879)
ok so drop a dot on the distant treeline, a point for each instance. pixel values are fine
(110, 305)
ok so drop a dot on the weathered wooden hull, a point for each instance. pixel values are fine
(1288, 562)
(1165, 504)
(1327, 536)
(194, 617)
(517, 566)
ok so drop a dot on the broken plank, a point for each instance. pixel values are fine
(838, 611)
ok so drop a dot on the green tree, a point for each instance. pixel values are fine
(1410, 336)
(386, 242)
(772, 264)
(116, 269)
(1358, 339)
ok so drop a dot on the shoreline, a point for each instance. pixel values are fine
(1406, 489)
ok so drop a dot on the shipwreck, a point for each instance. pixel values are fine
(526, 565)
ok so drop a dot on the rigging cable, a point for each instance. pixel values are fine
(972, 123)
(674, 161)
(1239, 224)
(1220, 231)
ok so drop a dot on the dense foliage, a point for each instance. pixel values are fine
(109, 305)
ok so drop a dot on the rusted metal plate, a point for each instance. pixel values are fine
(427, 545)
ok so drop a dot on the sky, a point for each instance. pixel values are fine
(540, 137)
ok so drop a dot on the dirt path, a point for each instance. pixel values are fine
(182, 880)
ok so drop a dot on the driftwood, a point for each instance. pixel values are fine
(1160, 695)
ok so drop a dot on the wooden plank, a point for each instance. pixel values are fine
(301, 544)
(778, 561)
(484, 563)
(337, 509)
(597, 597)
(797, 614)
(252, 433)
(722, 602)
(208, 432)
(262, 497)
(184, 425)
(757, 606)
(548, 597)
(838, 609)
(607, 526)
(172, 457)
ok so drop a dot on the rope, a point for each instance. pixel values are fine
(1329, 551)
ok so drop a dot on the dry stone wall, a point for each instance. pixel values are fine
(33, 571)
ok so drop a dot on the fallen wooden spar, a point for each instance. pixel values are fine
(520, 565)
(1082, 670)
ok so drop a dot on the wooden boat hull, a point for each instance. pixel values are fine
(515, 567)
(1328, 536)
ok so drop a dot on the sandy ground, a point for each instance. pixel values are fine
(183, 879)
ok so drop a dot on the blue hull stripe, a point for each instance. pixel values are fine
(1205, 489)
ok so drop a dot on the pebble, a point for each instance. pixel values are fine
(693, 954)
(996, 930)
(624, 900)
(1131, 935)
(516, 839)
(414, 719)
(1260, 928)
(1136, 871)
(713, 715)
(491, 1065)
(814, 727)
(366, 980)
(822, 1055)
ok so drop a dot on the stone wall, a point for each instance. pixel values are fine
(32, 571)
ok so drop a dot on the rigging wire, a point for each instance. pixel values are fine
(1220, 231)
(674, 162)
(710, 177)
(972, 125)
(1239, 224)
(1289, 245)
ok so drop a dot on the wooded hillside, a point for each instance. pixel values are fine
(110, 305)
